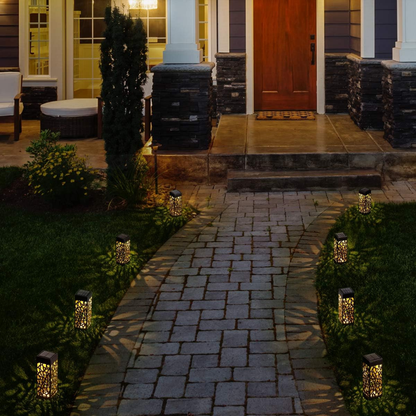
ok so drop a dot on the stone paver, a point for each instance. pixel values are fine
(223, 319)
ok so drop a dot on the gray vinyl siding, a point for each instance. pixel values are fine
(237, 26)
(9, 33)
(386, 28)
(342, 26)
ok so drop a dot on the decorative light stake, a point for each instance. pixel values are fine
(143, 4)
(364, 201)
(83, 309)
(122, 249)
(47, 374)
(372, 376)
(175, 203)
(346, 306)
(340, 248)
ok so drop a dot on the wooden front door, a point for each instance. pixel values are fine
(285, 54)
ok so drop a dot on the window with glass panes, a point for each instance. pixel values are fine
(39, 37)
(89, 27)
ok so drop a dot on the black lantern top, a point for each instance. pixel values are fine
(347, 292)
(123, 238)
(365, 191)
(372, 359)
(340, 236)
(47, 357)
(175, 193)
(83, 295)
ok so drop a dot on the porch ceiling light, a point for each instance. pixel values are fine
(83, 309)
(143, 4)
(340, 248)
(364, 201)
(46, 374)
(175, 203)
(346, 306)
(372, 376)
(122, 249)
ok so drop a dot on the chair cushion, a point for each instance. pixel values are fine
(78, 107)
(7, 109)
(10, 84)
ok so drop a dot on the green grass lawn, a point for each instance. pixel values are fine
(45, 259)
(8, 175)
(382, 271)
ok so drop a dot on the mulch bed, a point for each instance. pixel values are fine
(20, 195)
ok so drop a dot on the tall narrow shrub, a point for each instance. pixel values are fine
(123, 69)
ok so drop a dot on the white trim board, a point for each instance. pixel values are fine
(320, 56)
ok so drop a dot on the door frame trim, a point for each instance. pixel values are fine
(320, 56)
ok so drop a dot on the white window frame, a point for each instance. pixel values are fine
(56, 47)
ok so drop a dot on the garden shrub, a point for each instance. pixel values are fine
(130, 187)
(123, 69)
(56, 172)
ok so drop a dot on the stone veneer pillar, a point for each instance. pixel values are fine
(365, 92)
(231, 83)
(336, 82)
(399, 99)
(182, 105)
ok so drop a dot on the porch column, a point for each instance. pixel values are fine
(183, 29)
(223, 26)
(405, 50)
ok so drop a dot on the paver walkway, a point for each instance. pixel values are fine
(223, 320)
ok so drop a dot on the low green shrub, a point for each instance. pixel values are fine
(130, 187)
(56, 172)
(8, 175)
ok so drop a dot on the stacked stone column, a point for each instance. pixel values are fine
(399, 99)
(365, 104)
(336, 83)
(182, 105)
(231, 83)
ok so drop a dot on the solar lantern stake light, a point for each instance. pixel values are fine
(346, 306)
(364, 201)
(46, 374)
(340, 248)
(123, 249)
(372, 376)
(175, 203)
(83, 309)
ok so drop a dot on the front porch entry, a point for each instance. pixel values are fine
(285, 55)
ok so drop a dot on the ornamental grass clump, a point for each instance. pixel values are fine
(57, 173)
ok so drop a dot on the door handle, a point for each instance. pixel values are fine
(313, 53)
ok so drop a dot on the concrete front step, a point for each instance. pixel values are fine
(263, 181)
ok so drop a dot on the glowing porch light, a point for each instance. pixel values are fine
(46, 374)
(372, 376)
(83, 309)
(346, 306)
(364, 201)
(340, 248)
(122, 249)
(175, 203)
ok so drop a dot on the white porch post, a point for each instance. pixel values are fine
(405, 50)
(223, 26)
(183, 25)
(368, 31)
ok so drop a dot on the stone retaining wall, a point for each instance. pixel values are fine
(182, 105)
(365, 92)
(399, 99)
(336, 82)
(231, 83)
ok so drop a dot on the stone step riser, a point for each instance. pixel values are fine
(304, 183)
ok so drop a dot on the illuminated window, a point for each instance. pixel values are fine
(89, 27)
(203, 28)
(39, 37)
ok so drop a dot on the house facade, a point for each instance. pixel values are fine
(320, 55)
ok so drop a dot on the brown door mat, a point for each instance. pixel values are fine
(285, 115)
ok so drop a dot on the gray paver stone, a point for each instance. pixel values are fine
(259, 389)
(235, 338)
(269, 406)
(255, 374)
(141, 376)
(231, 393)
(176, 365)
(185, 406)
(170, 387)
(140, 407)
(200, 390)
(233, 357)
(229, 411)
(183, 333)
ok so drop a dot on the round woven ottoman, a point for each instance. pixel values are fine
(72, 118)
